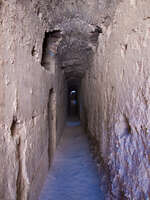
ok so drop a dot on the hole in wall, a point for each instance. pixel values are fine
(98, 29)
(13, 127)
(33, 51)
(126, 47)
(49, 47)
(95, 34)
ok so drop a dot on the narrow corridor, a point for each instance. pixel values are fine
(73, 175)
(89, 58)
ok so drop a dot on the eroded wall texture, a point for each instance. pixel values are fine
(116, 99)
(28, 93)
(49, 46)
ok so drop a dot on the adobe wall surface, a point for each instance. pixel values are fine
(116, 100)
(115, 90)
(24, 99)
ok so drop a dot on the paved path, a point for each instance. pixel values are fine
(73, 175)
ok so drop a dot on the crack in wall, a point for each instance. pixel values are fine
(22, 181)
(19, 176)
(18, 133)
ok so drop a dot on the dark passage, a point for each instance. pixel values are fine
(73, 103)
(73, 174)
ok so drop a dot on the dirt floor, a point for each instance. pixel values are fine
(73, 175)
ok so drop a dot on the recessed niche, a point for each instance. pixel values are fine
(49, 49)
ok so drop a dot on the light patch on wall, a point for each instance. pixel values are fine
(133, 3)
(109, 31)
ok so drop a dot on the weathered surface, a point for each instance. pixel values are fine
(25, 86)
(47, 46)
(116, 100)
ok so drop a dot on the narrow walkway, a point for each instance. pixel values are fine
(73, 175)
